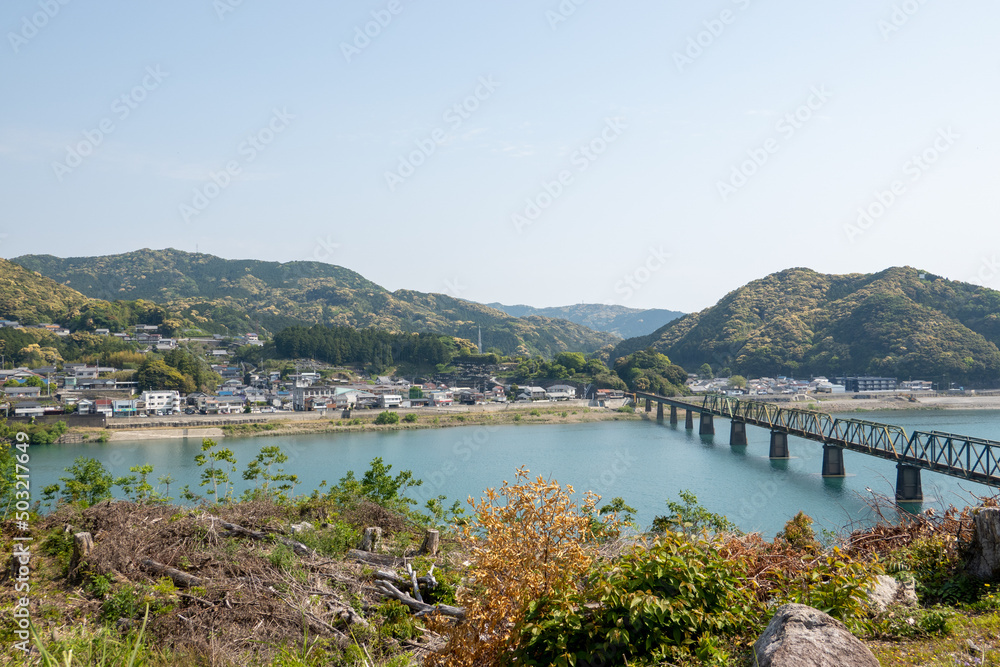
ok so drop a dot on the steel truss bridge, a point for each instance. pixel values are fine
(965, 457)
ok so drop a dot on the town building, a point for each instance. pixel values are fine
(161, 402)
(866, 383)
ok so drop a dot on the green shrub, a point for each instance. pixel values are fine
(131, 601)
(396, 621)
(332, 541)
(58, 544)
(629, 409)
(387, 417)
(410, 418)
(690, 517)
(912, 622)
(98, 586)
(837, 585)
(938, 571)
(799, 534)
(535, 413)
(666, 604)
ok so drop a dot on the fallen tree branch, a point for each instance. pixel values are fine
(422, 608)
(413, 583)
(235, 529)
(428, 582)
(182, 579)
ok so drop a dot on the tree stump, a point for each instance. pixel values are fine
(432, 540)
(985, 561)
(370, 540)
(83, 544)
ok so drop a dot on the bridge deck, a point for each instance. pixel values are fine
(960, 456)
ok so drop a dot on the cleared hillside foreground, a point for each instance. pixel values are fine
(528, 576)
(901, 322)
(235, 296)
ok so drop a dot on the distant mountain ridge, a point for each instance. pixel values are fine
(233, 296)
(900, 322)
(619, 320)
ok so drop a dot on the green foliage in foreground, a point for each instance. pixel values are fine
(103, 647)
(690, 517)
(677, 598)
(377, 485)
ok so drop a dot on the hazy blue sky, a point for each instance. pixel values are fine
(653, 154)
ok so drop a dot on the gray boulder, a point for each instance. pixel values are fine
(887, 591)
(800, 636)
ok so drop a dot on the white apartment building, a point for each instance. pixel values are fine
(158, 402)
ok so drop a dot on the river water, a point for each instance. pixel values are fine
(643, 462)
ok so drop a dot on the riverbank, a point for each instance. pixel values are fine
(563, 412)
(835, 403)
(307, 423)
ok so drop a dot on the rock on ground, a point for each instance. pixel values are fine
(800, 636)
(887, 591)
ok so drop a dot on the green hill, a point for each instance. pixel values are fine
(900, 322)
(222, 295)
(30, 299)
(619, 320)
(34, 299)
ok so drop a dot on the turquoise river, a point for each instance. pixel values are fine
(643, 462)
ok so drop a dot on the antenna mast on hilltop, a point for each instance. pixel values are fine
(480, 340)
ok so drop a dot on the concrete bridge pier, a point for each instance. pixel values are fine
(706, 425)
(688, 419)
(833, 461)
(659, 412)
(779, 445)
(737, 433)
(673, 415)
(649, 405)
(908, 488)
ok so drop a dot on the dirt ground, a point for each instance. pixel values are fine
(902, 402)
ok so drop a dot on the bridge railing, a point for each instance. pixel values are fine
(871, 435)
(957, 455)
(947, 450)
(815, 424)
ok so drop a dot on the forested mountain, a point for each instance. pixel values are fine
(234, 296)
(618, 320)
(31, 298)
(900, 322)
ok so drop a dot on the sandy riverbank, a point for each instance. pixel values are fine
(902, 402)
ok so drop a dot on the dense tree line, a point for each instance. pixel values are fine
(345, 345)
(648, 370)
(179, 369)
(38, 347)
